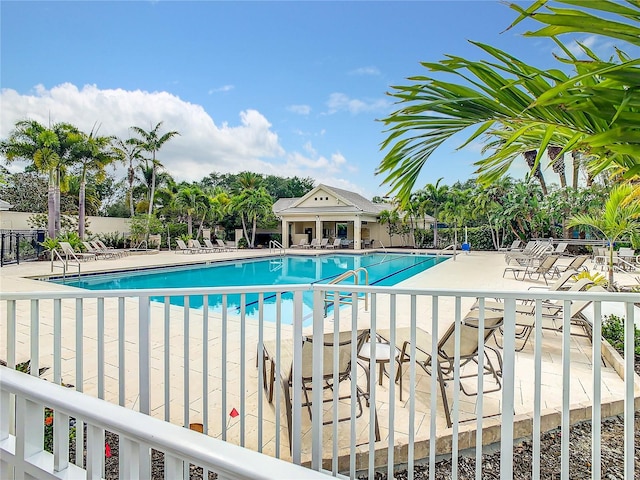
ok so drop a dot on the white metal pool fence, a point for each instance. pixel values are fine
(192, 366)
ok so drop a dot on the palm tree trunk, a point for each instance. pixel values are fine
(244, 229)
(131, 178)
(81, 207)
(611, 289)
(435, 229)
(576, 168)
(51, 206)
(190, 225)
(530, 157)
(56, 204)
(151, 195)
(557, 164)
(253, 230)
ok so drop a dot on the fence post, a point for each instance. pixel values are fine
(18, 248)
(2, 249)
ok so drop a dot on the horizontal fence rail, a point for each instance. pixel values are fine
(418, 374)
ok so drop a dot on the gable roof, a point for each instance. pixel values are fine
(353, 202)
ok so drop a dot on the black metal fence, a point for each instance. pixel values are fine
(20, 245)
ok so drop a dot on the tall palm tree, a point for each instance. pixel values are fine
(93, 154)
(48, 149)
(390, 218)
(435, 196)
(620, 217)
(251, 204)
(128, 152)
(192, 201)
(151, 141)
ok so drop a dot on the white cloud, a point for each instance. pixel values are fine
(300, 109)
(340, 102)
(224, 88)
(201, 148)
(365, 71)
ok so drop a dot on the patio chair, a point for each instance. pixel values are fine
(575, 265)
(121, 252)
(561, 247)
(547, 267)
(303, 243)
(196, 244)
(182, 247)
(323, 243)
(335, 244)
(98, 252)
(345, 370)
(445, 361)
(514, 247)
(211, 246)
(535, 254)
(71, 254)
(314, 243)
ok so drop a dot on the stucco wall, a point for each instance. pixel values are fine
(97, 225)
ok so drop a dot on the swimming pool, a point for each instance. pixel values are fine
(383, 270)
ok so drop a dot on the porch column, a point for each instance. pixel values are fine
(285, 233)
(357, 233)
(318, 228)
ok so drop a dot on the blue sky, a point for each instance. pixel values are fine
(284, 88)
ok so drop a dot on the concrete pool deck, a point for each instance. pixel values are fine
(477, 270)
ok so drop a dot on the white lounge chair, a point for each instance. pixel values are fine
(182, 247)
(71, 254)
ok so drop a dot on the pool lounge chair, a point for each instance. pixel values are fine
(98, 251)
(303, 243)
(71, 254)
(225, 247)
(527, 257)
(445, 361)
(121, 252)
(546, 268)
(514, 247)
(207, 249)
(211, 246)
(335, 244)
(575, 265)
(345, 369)
(182, 247)
(323, 243)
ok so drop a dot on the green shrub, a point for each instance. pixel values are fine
(613, 332)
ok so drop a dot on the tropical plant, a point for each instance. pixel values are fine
(191, 200)
(128, 152)
(434, 196)
(48, 150)
(391, 219)
(251, 204)
(521, 108)
(92, 153)
(620, 218)
(151, 141)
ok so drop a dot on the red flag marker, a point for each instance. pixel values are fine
(107, 450)
(234, 413)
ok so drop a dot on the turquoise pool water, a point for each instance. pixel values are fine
(383, 269)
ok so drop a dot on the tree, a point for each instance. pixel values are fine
(390, 218)
(151, 141)
(434, 197)
(620, 217)
(48, 150)
(192, 201)
(520, 108)
(128, 152)
(92, 153)
(252, 203)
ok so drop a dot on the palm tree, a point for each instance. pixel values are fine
(390, 218)
(524, 108)
(252, 203)
(151, 141)
(48, 149)
(190, 200)
(435, 196)
(619, 218)
(92, 152)
(127, 151)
